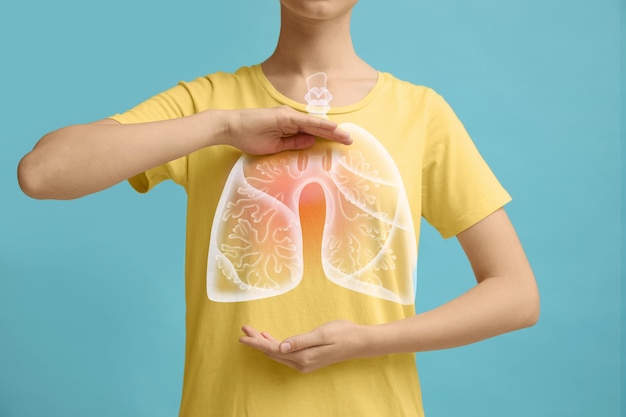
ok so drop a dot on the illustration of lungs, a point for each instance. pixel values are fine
(368, 242)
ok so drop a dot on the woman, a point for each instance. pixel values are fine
(308, 245)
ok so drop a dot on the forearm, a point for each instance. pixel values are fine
(82, 159)
(505, 299)
(495, 306)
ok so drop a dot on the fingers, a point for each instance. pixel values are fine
(337, 135)
(269, 344)
(317, 126)
(269, 337)
(297, 142)
(260, 341)
(305, 353)
(305, 140)
(273, 130)
(334, 134)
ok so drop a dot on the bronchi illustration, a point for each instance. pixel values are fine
(368, 242)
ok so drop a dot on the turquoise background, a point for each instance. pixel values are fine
(91, 291)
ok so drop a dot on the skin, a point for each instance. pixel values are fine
(82, 159)
(315, 36)
(504, 299)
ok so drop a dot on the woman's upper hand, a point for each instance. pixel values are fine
(272, 130)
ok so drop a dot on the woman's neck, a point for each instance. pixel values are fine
(306, 46)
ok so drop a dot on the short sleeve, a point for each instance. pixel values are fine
(173, 103)
(458, 187)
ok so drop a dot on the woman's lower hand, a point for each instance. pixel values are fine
(330, 343)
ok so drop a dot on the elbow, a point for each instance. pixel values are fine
(520, 302)
(531, 316)
(530, 308)
(36, 177)
(48, 171)
(30, 179)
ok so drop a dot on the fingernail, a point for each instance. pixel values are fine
(285, 347)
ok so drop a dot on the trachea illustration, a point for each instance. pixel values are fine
(317, 97)
(368, 241)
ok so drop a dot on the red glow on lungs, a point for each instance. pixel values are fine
(352, 195)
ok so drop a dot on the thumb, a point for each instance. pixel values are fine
(285, 347)
(296, 343)
(298, 141)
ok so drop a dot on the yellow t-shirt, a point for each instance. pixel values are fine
(288, 242)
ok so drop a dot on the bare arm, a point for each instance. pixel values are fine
(82, 159)
(505, 299)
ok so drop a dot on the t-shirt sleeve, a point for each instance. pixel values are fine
(458, 187)
(173, 103)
